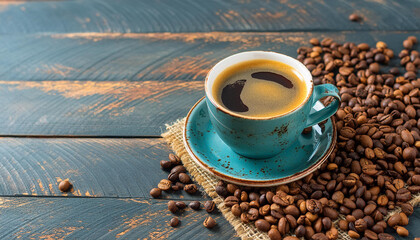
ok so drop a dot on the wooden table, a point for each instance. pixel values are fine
(86, 87)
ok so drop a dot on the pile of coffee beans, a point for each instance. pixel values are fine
(177, 180)
(375, 166)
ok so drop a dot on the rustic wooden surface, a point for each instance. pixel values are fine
(86, 87)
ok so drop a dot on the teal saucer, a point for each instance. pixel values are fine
(212, 154)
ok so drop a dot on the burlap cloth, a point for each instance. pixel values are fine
(174, 137)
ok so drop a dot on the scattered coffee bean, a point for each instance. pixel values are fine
(184, 178)
(172, 206)
(209, 222)
(165, 164)
(195, 205)
(64, 186)
(354, 17)
(174, 222)
(174, 159)
(165, 184)
(402, 231)
(385, 236)
(209, 206)
(155, 192)
(180, 204)
(190, 188)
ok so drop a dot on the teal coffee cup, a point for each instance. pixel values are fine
(264, 137)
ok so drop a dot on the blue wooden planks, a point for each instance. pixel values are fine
(96, 167)
(124, 16)
(103, 218)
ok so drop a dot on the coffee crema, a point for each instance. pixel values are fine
(260, 88)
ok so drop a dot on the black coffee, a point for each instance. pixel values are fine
(260, 88)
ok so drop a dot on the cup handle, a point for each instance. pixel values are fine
(321, 91)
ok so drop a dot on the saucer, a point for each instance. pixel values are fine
(212, 154)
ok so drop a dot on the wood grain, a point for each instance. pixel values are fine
(102, 218)
(148, 56)
(96, 167)
(203, 16)
(163, 77)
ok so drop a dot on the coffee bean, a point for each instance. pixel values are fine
(385, 236)
(282, 226)
(343, 225)
(407, 208)
(371, 234)
(190, 188)
(231, 188)
(274, 234)
(314, 41)
(236, 210)
(331, 213)
(416, 179)
(313, 206)
(155, 192)
(209, 222)
(244, 218)
(172, 206)
(65, 186)
(174, 159)
(360, 225)
(165, 164)
(394, 220)
(180, 205)
(408, 44)
(174, 222)
(354, 17)
(262, 225)
(173, 177)
(184, 178)
(253, 214)
(292, 210)
(209, 206)
(165, 184)
(179, 169)
(231, 200)
(402, 231)
(353, 234)
(222, 191)
(195, 205)
(403, 195)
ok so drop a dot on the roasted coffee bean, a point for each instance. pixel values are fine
(165, 164)
(231, 188)
(402, 231)
(173, 176)
(221, 191)
(385, 236)
(209, 222)
(64, 186)
(236, 210)
(282, 226)
(231, 200)
(404, 219)
(180, 204)
(184, 178)
(370, 234)
(262, 225)
(354, 17)
(326, 223)
(394, 220)
(190, 188)
(195, 205)
(179, 169)
(360, 225)
(292, 210)
(172, 206)
(155, 192)
(165, 184)
(274, 234)
(209, 206)
(313, 206)
(174, 159)
(331, 213)
(174, 222)
(407, 208)
(403, 195)
(253, 214)
(343, 225)
(353, 234)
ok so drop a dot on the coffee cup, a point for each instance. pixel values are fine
(264, 137)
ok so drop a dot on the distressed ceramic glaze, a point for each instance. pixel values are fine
(304, 156)
(265, 137)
